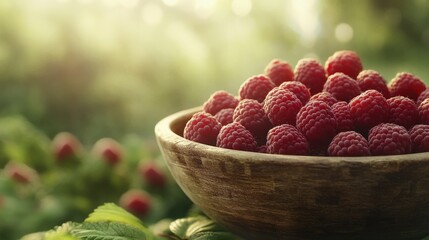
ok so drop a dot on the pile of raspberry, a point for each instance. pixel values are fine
(338, 109)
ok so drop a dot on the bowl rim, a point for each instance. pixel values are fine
(164, 132)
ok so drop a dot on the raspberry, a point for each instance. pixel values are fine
(324, 97)
(109, 151)
(407, 85)
(424, 112)
(343, 115)
(256, 87)
(370, 79)
(236, 136)
(202, 128)
(403, 111)
(261, 149)
(218, 101)
(299, 89)
(347, 62)
(311, 73)
(250, 113)
(342, 87)
(348, 143)
(153, 175)
(389, 139)
(136, 201)
(279, 71)
(286, 139)
(422, 96)
(20, 173)
(317, 122)
(66, 147)
(281, 106)
(224, 116)
(420, 138)
(369, 109)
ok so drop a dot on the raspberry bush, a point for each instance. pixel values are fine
(339, 109)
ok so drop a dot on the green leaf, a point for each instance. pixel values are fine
(62, 232)
(199, 228)
(113, 213)
(107, 230)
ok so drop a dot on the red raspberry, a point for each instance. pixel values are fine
(236, 136)
(281, 106)
(343, 115)
(407, 85)
(66, 147)
(324, 97)
(256, 87)
(349, 143)
(136, 201)
(347, 62)
(286, 139)
(342, 87)
(422, 96)
(299, 89)
(369, 109)
(20, 173)
(389, 139)
(250, 113)
(224, 116)
(311, 73)
(202, 128)
(153, 175)
(370, 79)
(218, 101)
(261, 149)
(317, 122)
(403, 111)
(420, 138)
(424, 112)
(279, 71)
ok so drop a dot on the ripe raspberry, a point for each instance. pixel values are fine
(424, 112)
(224, 116)
(407, 85)
(403, 111)
(281, 106)
(66, 147)
(279, 71)
(389, 139)
(202, 128)
(153, 175)
(108, 150)
(299, 89)
(370, 79)
(311, 73)
(256, 87)
(250, 113)
(348, 143)
(347, 62)
(317, 122)
(236, 136)
(20, 173)
(419, 138)
(369, 109)
(422, 96)
(261, 149)
(137, 202)
(342, 87)
(218, 101)
(324, 97)
(286, 139)
(343, 115)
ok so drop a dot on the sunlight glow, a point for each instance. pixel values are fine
(152, 14)
(303, 17)
(170, 2)
(241, 8)
(343, 32)
(204, 8)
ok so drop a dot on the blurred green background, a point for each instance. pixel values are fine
(113, 68)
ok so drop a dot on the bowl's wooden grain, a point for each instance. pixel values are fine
(265, 196)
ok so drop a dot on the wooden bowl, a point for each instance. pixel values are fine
(268, 196)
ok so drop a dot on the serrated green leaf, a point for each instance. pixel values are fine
(198, 228)
(112, 212)
(107, 230)
(62, 232)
